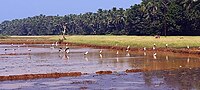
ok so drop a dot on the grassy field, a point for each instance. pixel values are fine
(134, 41)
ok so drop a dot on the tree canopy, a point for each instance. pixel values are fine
(151, 17)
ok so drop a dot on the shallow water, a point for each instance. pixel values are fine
(36, 59)
(48, 59)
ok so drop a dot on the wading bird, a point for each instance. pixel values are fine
(86, 53)
(117, 52)
(127, 49)
(144, 49)
(67, 49)
(56, 43)
(154, 48)
(188, 47)
(60, 49)
(100, 51)
(29, 49)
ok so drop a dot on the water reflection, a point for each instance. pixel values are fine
(180, 79)
(167, 58)
(145, 53)
(101, 56)
(86, 59)
(128, 54)
(65, 57)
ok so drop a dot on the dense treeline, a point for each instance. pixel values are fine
(151, 17)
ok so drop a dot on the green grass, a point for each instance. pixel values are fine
(134, 41)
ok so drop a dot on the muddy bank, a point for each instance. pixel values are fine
(70, 74)
(77, 74)
(195, 51)
(104, 72)
(58, 75)
(37, 76)
(184, 50)
(135, 70)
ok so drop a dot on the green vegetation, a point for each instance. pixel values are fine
(135, 41)
(151, 17)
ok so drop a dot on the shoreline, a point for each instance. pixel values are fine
(193, 50)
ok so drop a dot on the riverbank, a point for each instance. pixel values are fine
(175, 44)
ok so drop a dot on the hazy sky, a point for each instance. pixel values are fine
(16, 9)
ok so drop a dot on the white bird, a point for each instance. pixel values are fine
(67, 51)
(154, 48)
(188, 46)
(29, 49)
(66, 48)
(100, 51)
(60, 49)
(117, 52)
(127, 48)
(154, 44)
(166, 45)
(154, 54)
(86, 53)
(144, 49)
(56, 43)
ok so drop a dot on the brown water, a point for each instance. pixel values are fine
(17, 60)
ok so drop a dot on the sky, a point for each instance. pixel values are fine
(17, 9)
